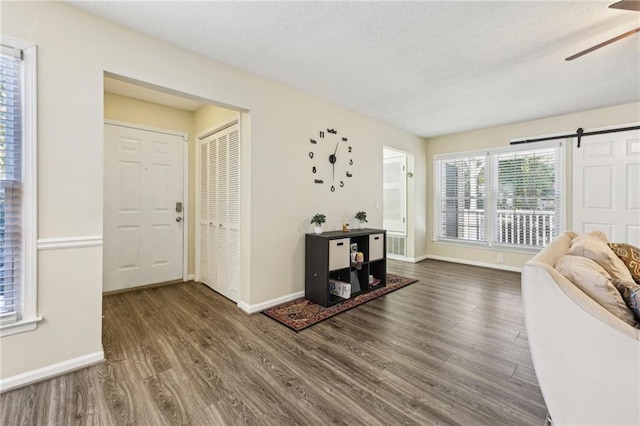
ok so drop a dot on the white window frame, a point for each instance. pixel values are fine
(490, 212)
(437, 213)
(27, 318)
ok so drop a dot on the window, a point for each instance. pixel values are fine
(526, 199)
(462, 197)
(507, 196)
(17, 187)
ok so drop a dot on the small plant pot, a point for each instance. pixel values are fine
(318, 229)
(360, 225)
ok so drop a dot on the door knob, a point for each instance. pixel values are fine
(178, 219)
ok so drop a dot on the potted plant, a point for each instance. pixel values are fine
(318, 219)
(362, 219)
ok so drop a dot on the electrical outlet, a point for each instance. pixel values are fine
(501, 258)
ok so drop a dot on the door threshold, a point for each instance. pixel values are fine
(142, 287)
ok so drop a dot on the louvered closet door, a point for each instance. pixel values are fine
(203, 224)
(212, 232)
(233, 211)
(220, 212)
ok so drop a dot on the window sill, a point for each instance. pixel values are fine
(19, 327)
(461, 243)
(485, 246)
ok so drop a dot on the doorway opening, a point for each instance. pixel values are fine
(151, 172)
(144, 196)
(395, 202)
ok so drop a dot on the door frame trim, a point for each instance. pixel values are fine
(409, 196)
(185, 182)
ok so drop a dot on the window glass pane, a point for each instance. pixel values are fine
(526, 196)
(462, 198)
(10, 184)
(501, 196)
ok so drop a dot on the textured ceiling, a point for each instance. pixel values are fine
(430, 68)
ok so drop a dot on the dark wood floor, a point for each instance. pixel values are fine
(450, 349)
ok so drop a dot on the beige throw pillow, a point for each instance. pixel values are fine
(594, 246)
(593, 234)
(594, 281)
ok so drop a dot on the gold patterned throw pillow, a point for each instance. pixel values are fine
(630, 255)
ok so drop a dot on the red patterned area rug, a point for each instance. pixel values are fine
(301, 313)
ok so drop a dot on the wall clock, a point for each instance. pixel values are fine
(331, 159)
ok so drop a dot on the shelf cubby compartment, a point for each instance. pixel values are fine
(363, 245)
(379, 271)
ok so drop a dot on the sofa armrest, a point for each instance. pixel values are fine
(587, 361)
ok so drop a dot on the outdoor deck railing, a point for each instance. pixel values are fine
(519, 227)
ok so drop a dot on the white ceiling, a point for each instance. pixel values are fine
(430, 68)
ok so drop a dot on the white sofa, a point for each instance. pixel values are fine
(586, 359)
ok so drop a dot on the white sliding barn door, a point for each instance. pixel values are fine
(143, 233)
(219, 212)
(606, 181)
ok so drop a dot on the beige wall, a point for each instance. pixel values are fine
(500, 137)
(123, 108)
(210, 117)
(279, 197)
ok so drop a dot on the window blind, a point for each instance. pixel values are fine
(11, 90)
(502, 196)
(526, 196)
(461, 197)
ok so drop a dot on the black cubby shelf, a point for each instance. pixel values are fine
(328, 262)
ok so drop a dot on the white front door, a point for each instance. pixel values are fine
(143, 222)
(606, 189)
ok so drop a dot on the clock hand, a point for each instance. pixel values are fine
(334, 161)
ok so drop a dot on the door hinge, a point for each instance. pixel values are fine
(403, 220)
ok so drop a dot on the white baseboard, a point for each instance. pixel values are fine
(190, 278)
(474, 263)
(259, 307)
(50, 371)
(407, 259)
(398, 258)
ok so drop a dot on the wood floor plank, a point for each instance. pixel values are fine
(450, 349)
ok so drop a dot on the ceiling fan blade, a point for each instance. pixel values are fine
(626, 5)
(603, 44)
